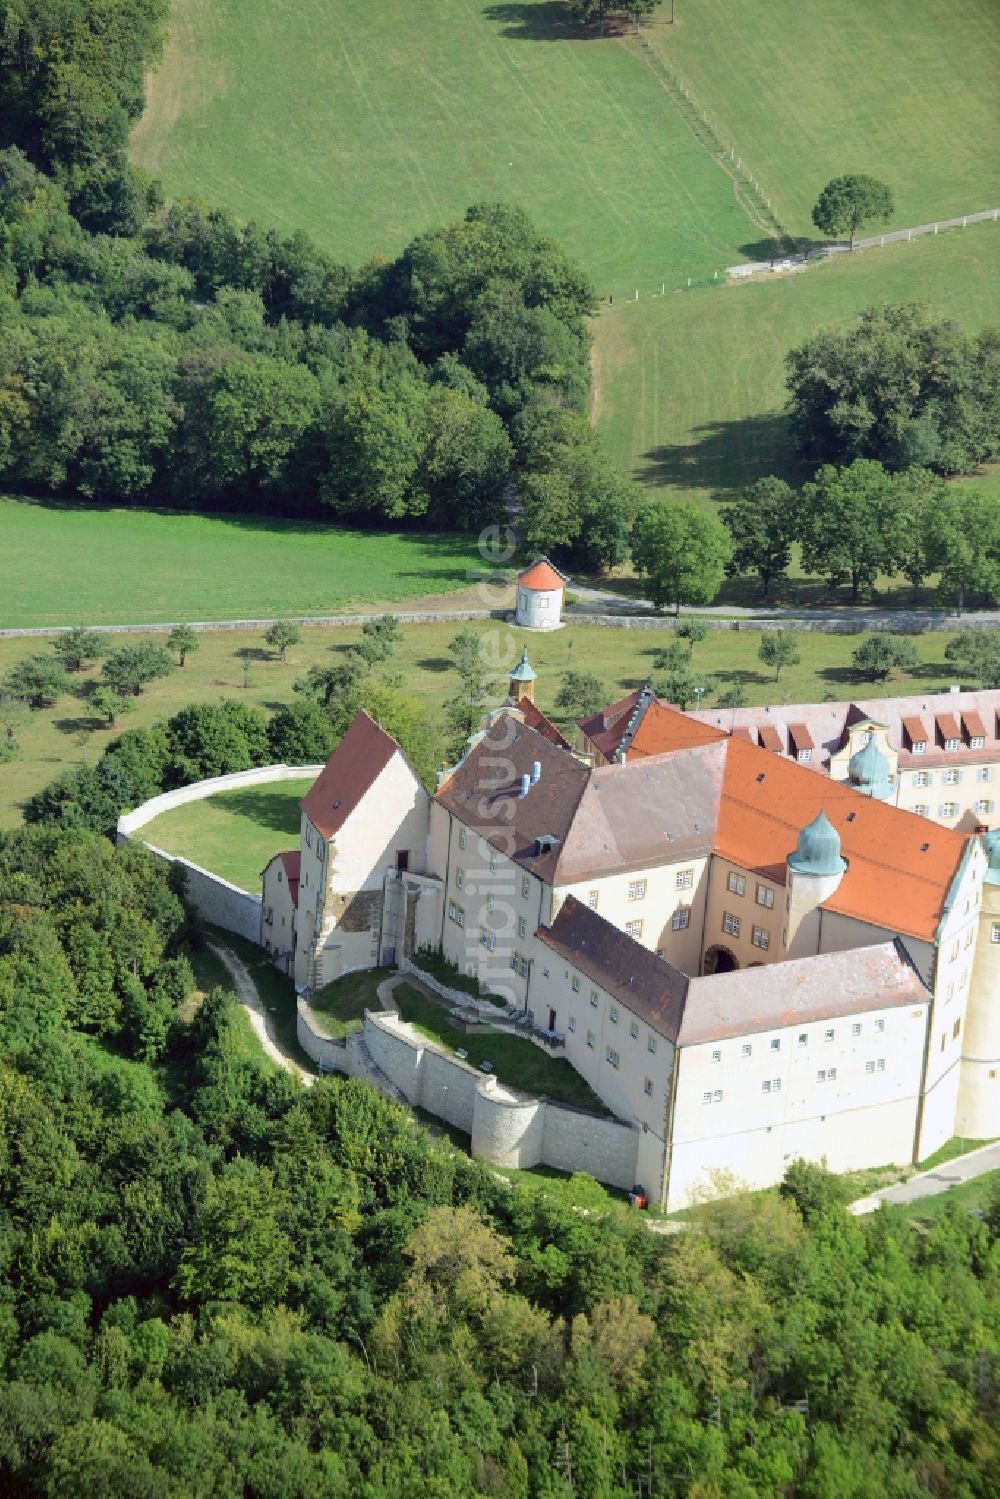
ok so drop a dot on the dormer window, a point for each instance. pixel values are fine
(804, 755)
(951, 745)
(978, 741)
(919, 746)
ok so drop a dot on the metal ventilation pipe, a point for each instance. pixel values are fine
(536, 772)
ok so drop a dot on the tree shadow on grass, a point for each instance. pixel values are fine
(272, 809)
(540, 21)
(435, 664)
(725, 457)
(77, 725)
(766, 249)
(255, 653)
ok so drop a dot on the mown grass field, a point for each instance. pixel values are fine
(689, 389)
(365, 124)
(65, 735)
(233, 833)
(808, 90)
(65, 564)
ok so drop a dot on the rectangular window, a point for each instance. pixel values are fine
(880, 1025)
(592, 896)
(951, 777)
(483, 936)
(460, 915)
(746, 1049)
(651, 1044)
(776, 1044)
(571, 1023)
(765, 1086)
(984, 773)
(575, 982)
(803, 755)
(765, 897)
(828, 1034)
(821, 1075)
(685, 879)
(633, 1030)
(637, 890)
(803, 1038)
(706, 1098)
(995, 932)
(831, 1074)
(856, 1029)
(776, 1085)
(736, 882)
(921, 809)
(459, 879)
(717, 1095)
(956, 1028)
(309, 835)
(590, 1039)
(612, 1056)
(463, 837)
(522, 927)
(633, 929)
(869, 1066)
(984, 807)
(921, 778)
(717, 1055)
(731, 924)
(452, 908)
(525, 887)
(614, 1014)
(489, 902)
(880, 1064)
(680, 918)
(593, 998)
(919, 746)
(761, 938)
(647, 1087)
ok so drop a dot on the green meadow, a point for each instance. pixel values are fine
(689, 389)
(66, 564)
(233, 833)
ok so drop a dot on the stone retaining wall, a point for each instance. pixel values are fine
(459, 997)
(213, 898)
(509, 1129)
(823, 625)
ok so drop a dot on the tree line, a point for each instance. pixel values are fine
(214, 1281)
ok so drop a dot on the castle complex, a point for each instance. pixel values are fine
(750, 952)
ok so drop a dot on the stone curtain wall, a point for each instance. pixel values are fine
(213, 898)
(508, 1129)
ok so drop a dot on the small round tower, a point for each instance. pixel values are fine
(977, 1114)
(869, 772)
(540, 593)
(815, 869)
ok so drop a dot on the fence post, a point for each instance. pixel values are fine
(935, 229)
(964, 222)
(637, 294)
(882, 245)
(909, 235)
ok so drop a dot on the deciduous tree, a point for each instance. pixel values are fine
(183, 640)
(778, 648)
(682, 551)
(762, 522)
(881, 654)
(848, 202)
(282, 634)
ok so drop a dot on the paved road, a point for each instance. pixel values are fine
(929, 1183)
(873, 241)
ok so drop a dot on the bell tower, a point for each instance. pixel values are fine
(522, 680)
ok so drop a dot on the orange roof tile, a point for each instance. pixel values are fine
(542, 575)
(974, 726)
(536, 719)
(899, 865)
(771, 739)
(916, 730)
(947, 725)
(351, 771)
(663, 728)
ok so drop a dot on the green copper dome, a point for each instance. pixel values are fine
(818, 849)
(869, 771)
(523, 672)
(991, 843)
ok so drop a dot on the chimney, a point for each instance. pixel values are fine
(536, 772)
(525, 786)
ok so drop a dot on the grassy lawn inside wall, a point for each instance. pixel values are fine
(342, 1004)
(233, 833)
(516, 1062)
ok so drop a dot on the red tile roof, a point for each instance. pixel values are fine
(916, 729)
(606, 729)
(947, 725)
(801, 737)
(351, 771)
(542, 576)
(292, 860)
(771, 739)
(663, 728)
(974, 726)
(899, 865)
(536, 719)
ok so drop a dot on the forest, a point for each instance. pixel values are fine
(216, 1282)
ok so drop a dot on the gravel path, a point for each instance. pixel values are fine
(263, 1026)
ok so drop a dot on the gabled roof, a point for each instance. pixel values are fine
(606, 729)
(484, 793)
(351, 772)
(535, 719)
(648, 986)
(290, 860)
(663, 728)
(542, 575)
(825, 987)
